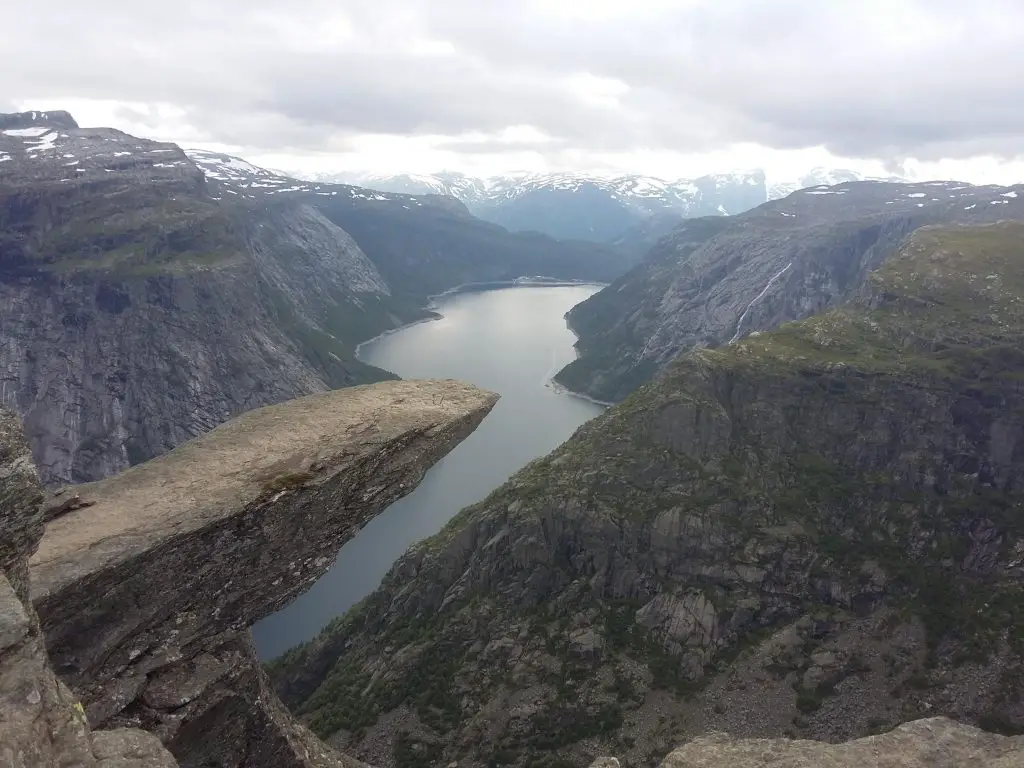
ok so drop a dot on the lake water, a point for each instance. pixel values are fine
(511, 341)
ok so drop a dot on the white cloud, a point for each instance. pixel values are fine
(667, 87)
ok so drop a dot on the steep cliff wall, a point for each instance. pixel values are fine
(814, 532)
(141, 306)
(42, 724)
(146, 590)
(713, 281)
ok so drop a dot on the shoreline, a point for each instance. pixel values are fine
(481, 287)
(396, 329)
(518, 282)
(560, 387)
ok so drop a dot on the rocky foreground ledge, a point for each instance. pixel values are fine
(933, 743)
(41, 723)
(146, 583)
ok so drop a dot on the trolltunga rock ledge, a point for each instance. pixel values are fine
(147, 585)
(932, 743)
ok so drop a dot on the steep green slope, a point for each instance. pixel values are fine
(815, 531)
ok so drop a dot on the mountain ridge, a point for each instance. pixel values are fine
(599, 207)
(711, 281)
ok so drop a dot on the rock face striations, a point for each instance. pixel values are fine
(713, 281)
(812, 532)
(42, 725)
(146, 590)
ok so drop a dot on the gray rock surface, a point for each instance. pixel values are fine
(21, 521)
(42, 725)
(933, 743)
(146, 595)
(714, 281)
(129, 748)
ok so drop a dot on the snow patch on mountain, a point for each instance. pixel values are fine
(724, 193)
(244, 179)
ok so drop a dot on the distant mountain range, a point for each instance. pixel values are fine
(627, 210)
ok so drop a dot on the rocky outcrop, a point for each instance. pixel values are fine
(812, 532)
(42, 725)
(713, 281)
(146, 590)
(933, 743)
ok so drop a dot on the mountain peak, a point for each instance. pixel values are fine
(35, 119)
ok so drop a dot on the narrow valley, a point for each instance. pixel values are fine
(395, 384)
(510, 341)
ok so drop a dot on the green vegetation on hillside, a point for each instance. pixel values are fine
(129, 229)
(860, 466)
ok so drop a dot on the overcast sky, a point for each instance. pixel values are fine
(666, 87)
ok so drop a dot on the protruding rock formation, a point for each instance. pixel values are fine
(146, 592)
(933, 743)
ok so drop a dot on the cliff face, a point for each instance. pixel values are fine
(41, 723)
(713, 281)
(146, 589)
(812, 532)
(427, 251)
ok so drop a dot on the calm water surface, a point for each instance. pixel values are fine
(511, 341)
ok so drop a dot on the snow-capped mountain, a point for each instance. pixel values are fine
(647, 192)
(593, 207)
(612, 209)
(235, 176)
(577, 206)
(822, 177)
(457, 185)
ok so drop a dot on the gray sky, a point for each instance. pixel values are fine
(666, 87)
